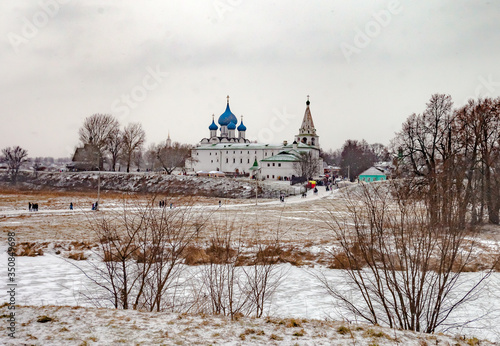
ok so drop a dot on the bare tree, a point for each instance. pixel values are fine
(141, 253)
(356, 157)
(133, 139)
(118, 243)
(115, 146)
(405, 270)
(263, 276)
(332, 157)
(308, 165)
(150, 158)
(14, 157)
(423, 137)
(170, 232)
(97, 131)
(236, 282)
(221, 276)
(460, 148)
(429, 149)
(172, 157)
(380, 151)
(138, 159)
(488, 113)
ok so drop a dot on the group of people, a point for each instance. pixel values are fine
(33, 206)
(282, 198)
(95, 206)
(162, 204)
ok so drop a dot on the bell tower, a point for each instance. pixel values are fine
(307, 132)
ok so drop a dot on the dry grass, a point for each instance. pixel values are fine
(30, 249)
(302, 231)
(77, 256)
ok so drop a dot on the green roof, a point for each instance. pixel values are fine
(282, 157)
(255, 166)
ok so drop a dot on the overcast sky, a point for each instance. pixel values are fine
(169, 65)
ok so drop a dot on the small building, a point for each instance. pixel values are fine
(86, 158)
(278, 167)
(372, 174)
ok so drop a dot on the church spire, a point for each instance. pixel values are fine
(169, 141)
(307, 132)
(307, 123)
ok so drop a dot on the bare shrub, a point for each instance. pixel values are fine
(220, 276)
(236, 282)
(405, 267)
(141, 250)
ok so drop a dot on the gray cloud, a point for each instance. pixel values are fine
(266, 55)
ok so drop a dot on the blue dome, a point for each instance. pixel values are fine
(213, 126)
(227, 117)
(242, 127)
(231, 126)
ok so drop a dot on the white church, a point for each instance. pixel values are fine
(232, 153)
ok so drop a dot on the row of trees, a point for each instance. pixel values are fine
(102, 131)
(454, 152)
(459, 146)
(115, 145)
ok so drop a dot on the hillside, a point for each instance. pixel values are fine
(149, 183)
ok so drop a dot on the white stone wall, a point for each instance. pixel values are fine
(280, 169)
(229, 159)
(232, 159)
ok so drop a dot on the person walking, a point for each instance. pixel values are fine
(71, 206)
(29, 206)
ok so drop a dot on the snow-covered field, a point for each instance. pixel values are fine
(50, 280)
(47, 282)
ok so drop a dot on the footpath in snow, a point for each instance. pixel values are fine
(310, 197)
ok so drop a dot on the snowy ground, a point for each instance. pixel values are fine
(48, 282)
(91, 326)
